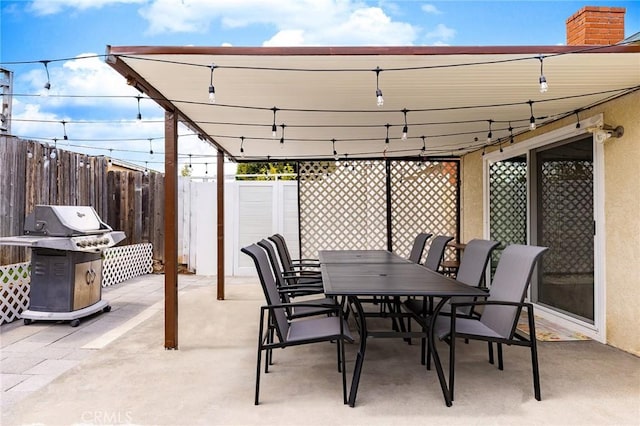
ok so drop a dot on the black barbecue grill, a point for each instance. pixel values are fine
(66, 262)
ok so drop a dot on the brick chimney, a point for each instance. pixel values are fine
(594, 25)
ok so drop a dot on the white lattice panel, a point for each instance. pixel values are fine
(14, 290)
(122, 263)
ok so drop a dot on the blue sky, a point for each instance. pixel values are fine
(32, 31)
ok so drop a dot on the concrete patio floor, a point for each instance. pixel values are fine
(113, 369)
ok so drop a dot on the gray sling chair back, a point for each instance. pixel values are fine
(288, 291)
(273, 317)
(501, 310)
(436, 252)
(471, 272)
(291, 264)
(418, 247)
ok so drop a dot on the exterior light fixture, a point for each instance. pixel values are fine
(543, 81)
(379, 99)
(212, 90)
(405, 129)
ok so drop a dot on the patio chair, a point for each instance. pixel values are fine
(436, 252)
(418, 247)
(289, 291)
(285, 254)
(471, 272)
(303, 331)
(499, 319)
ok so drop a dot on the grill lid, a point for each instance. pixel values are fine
(64, 221)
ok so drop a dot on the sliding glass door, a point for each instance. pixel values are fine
(564, 210)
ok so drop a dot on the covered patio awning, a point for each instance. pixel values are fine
(323, 99)
(322, 103)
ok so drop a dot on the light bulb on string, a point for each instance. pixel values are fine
(490, 134)
(212, 90)
(110, 156)
(274, 128)
(139, 116)
(80, 163)
(150, 147)
(47, 85)
(379, 99)
(386, 139)
(206, 168)
(190, 165)
(335, 153)
(423, 150)
(532, 119)
(146, 168)
(405, 129)
(510, 133)
(64, 130)
(577, 118)
(242, 146)
(543, 81)
(29, 154)
(53, 154)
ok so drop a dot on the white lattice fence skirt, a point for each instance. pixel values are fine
(14, 290)
(125, 262)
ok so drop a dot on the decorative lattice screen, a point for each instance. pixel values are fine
(424, 198)
(14, 290)
(507, 204)
(343, 205)
(125, 262)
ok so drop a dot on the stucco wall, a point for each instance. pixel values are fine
(622, 215)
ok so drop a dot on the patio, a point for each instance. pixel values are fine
(122, 375)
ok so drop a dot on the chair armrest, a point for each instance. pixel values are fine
(491, 302)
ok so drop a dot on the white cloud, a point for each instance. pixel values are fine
(50, 7)
(296, 22)
(442, 33)
(431, 9)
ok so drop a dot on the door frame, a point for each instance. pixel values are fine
(597, 330)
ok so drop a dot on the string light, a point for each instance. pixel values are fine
(543, 81)
(53, 152)
(490, 134)
(379, 99)
(577, 118)
(146, 168)
(139, 116)
(150, 147)
(190, 165)
(80, 163)
(274, 129)
(212, 90)
(405, 129)
(424, 146)
(242, 146)
(510, 133)
(64, 130)
(282, 136)
(532, 119)
(47, 85)
(110, 156)
(206, 168)
(29, 154)
(335, 153)
(386, 140)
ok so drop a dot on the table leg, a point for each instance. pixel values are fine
(436, 359)
(361, 350)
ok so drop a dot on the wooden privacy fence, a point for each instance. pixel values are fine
(127, 200)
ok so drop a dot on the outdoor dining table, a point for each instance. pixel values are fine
(361, 273)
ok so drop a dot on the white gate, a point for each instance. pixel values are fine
(253, 210)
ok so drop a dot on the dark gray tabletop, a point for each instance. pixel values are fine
(359, 256)
(390, 279)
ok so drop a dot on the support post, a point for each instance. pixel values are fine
(171, 230)
(220, 219)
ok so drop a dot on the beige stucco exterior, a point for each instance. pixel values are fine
(621, 210)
